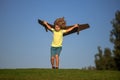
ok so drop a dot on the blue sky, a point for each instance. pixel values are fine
(25, 44)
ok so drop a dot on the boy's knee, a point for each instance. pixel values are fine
(56, 56)
(52, 57)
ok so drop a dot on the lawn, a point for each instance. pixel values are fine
(61, 74)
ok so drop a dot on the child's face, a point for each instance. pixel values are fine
(57, 28)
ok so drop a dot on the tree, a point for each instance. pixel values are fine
(104, 61)
(110, 60)
(115, 38)
(98, 59)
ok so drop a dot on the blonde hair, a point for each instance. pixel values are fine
(60, 22)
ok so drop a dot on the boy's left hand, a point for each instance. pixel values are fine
(76, 25)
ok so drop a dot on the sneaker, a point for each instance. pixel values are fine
(53, 67)
(57, 68)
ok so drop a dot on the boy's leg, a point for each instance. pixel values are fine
(52, 57)
(57, 61)
(52, 61)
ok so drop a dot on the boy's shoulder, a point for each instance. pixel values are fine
(52, 29)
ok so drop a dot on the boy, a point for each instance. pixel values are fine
(56, 45)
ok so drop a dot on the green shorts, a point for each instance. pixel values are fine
(55, 50)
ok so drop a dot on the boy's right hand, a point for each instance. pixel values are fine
(45, 22)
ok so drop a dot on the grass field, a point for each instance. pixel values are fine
(61, 74)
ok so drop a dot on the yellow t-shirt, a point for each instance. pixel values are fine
(57, 38)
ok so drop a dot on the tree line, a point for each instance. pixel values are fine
(108, 59)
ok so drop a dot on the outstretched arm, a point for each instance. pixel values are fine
(48, 26)
(70, 29)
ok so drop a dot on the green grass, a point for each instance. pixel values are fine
(61, 74)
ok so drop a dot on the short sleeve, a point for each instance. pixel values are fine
(63, 31)
(52, 29)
